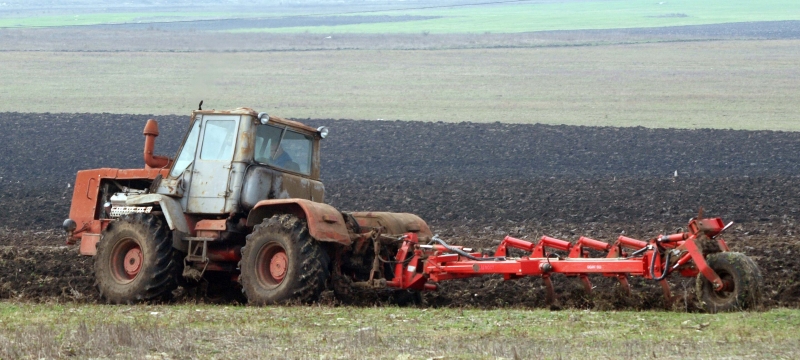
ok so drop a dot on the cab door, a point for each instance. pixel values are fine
(212, 164)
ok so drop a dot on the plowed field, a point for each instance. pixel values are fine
(473, 183)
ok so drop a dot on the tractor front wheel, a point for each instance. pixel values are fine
(135, 260)
(282, 263)
(742, 279)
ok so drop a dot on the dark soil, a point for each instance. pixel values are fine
(473, 183)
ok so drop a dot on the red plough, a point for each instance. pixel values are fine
(725, 280)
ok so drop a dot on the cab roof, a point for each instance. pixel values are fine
(254, 114)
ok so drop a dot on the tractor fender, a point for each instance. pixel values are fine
(170, 207)
(325, 223)
(394, 223)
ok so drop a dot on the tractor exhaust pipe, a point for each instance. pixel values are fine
(153, 161)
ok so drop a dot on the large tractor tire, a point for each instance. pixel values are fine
(135, 261)
(282, 263)
(743, 283)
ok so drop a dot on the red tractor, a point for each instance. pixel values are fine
(241, 207)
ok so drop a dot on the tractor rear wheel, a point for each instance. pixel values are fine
(135, 260)
(742, 279)
(282, 263)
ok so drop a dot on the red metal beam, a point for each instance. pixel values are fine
(445, 262)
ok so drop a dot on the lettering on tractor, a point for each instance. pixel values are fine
(241, 209)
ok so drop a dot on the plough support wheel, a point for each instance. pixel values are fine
(742, 283)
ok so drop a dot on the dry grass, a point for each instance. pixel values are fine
(200, 331)
(726, 84)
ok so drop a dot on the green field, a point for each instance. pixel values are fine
(324, 332)
(571, 15)
(468, 64)
(730, 84)
(500, 18)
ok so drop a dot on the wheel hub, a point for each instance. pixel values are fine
(277, 265)
(272, 265)
(133, 261)
(727, 285)
(126, 261)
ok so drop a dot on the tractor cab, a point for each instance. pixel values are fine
(230, 160)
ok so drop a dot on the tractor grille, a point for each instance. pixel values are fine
(124, 210)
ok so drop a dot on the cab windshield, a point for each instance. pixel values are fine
(283, 148)
(187, 152)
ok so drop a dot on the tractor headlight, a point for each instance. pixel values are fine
(323, 131)
(263, 118)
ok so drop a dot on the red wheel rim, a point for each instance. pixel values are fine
(277, 266)
(126, 261)
(272, 265)
(133, 261)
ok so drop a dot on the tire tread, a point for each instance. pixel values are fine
(162, 277)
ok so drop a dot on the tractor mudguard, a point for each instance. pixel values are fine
(325, 223)
(394, 223)
(171, 208)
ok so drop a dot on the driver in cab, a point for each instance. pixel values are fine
(281, 158)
